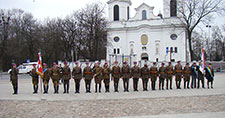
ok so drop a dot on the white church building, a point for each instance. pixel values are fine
(146, 36)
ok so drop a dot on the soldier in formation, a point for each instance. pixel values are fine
(55, 77)
(145, 76)
(88, 75)
(135, 72)
(35, 79)
(126, 76)
(77, 76)
(98, 77)
(153, 75)
(106, 76)
(46, 78)
(178, 74)
(162, 76)
(116, 75)
(14, 78)
(169, 77)
(186, 75)
(66, 76)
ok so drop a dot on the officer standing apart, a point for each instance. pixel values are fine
(178, 74)
(209, 74)
(162, 76)
(77, 76)
(87, 74)
(153, 75)
(116, 76)
(34, 76)
(200, 75)
(98, 77)
(126, 76)
(145, 76)
(194, 75)
(136, 73)
(14, 78)
(46, 78)
(106, 76)
(169, 76)
(55, 77)
(186, 74)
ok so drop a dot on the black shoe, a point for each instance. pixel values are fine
(171, 88)
(212, 87)
(188, 88)
(162, 88)
(208, 87)
(64, 92)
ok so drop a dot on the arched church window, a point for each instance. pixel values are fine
(144, 15)
(157, 49)
(144, 39)
(173, 8)
(116, 12)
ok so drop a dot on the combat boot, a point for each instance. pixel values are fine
(64, 88)
(68, 88)
(96, 87)
(99, 88)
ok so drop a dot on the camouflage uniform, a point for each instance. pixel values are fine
(77, 76)
(186, 74)
(88, 75)
(169, 76)
(106, 77)
(153, 74)
(162, 76)
(35, 81)
(178, 75)
(126, 76)
(14, 79)
(116, 76)
(135, 73)
(145, 77)
(66, 76)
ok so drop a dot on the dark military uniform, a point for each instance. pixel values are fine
(98, 78)
(162, 76)
(116, 77)
(145, 77)
(46, 79)
(209, 74)
(14, 79)
(55, 79)
(126, 76)
(77, 76)
(178, 75)
(35, 81)
(169, 76)
(88, 75)
(186, 74)
(153, 75)
(66, 76)
(106, 77)
(135, 71)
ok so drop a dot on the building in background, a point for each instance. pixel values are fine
(145, 36)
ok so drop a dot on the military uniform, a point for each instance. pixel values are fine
(77, 76)
(35, 81)
(66, 76)
(162, 76)
(135, 71)
(88, 75)
(209, 74)
(46, 79)
(169, 76)
(186, 74)
(126, 76)
(14, 79)
(55, 79)
(145, 77)
(178, 75)
(153, 75)
(106, 77)
(116, 77)
(98, 78)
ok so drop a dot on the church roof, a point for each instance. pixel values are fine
(144, 4)
(111, 1)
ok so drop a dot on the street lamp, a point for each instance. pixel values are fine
(209, 26)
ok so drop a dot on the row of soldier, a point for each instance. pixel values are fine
(124, 72)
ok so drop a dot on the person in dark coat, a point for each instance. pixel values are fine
(14, 78)
(209, 74)
(200, 75)
(194, 75)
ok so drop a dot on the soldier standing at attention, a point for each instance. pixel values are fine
(116, 75)
(98, 77)
(126, 76)
(200, 75)
(87, 74)
(106, 76)
(135, 71)
(178, 74)
(66, 76)
(34, 76)
(209, 74)
(187, 74)
(55, 77)
(46, 78)
(14, 78)
(77, 76)
(153, 74)
(194, 75)
(169, 77)
(162, 76)
(145, 76)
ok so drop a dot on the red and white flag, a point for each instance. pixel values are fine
(202, 66)
(40, 68)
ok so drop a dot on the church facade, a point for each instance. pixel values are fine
(156, 38)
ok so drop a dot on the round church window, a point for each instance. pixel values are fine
(173, 36)
(116, 39)
(144, 39)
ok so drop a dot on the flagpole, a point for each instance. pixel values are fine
(41, 83)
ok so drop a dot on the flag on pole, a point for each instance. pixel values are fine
(202, 66)
(40, 68)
